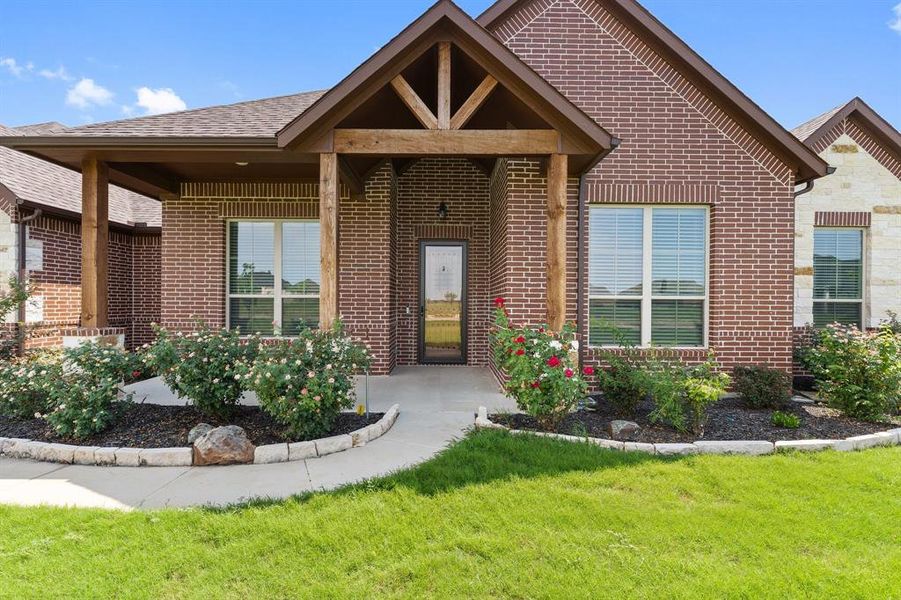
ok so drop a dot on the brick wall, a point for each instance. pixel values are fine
(464, 188)
(55, 269)
(676, 144)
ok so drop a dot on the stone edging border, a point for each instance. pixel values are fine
(183, 456)
(891, 437)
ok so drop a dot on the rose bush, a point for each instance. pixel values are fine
(857, 372)
(541, 366)
(27, 383)
(305, 382)
(205, 366)
(82, 405)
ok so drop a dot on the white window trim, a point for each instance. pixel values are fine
(647, 264)
(864, 278)
(277, 295)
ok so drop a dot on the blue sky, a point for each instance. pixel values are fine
(78, 62)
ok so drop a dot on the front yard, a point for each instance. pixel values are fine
(500, 515)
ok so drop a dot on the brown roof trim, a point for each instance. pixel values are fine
(789, 149)
(71, 141)
(387, 57)
(881, 129)
(71, 215)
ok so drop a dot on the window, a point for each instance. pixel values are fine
(647, 277)
(837, 276)
(273, 276)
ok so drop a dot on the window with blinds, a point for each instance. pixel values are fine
(837, 276)
(647, 280)
(273, 276)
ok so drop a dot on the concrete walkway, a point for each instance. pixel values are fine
(437, 404)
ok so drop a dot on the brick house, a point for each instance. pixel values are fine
(47, 198)
(848, 227)
(572, 156)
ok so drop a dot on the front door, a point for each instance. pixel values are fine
(442, 302)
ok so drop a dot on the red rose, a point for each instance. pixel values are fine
(541, 330)
(520, 340)
(520, 352)
(135, 374)
(568, 372)
(553, 362)
(588, 370)
(499, 302)
(536, 384)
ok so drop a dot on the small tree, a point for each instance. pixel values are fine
(16, 293)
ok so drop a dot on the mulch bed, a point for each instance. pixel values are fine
(728, 420)
(156, 426)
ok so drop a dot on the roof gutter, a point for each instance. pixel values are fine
(808, 185)
(23, 275)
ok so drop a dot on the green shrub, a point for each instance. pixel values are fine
(304, 383)
(787, 420)
(83, 405)
(26, 384)
(682, 394)
(542, 372)
(857, 372)
(15, 293)
(762, 387)
(103, 361)
(204, 366)
(623, 382)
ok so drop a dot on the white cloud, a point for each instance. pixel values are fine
(162, 100)
(86, 93)
(12, 66)
(895, 24)
(60, 73)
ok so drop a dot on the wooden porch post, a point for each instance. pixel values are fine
(328, 232)
(94, 242)
(556, 241)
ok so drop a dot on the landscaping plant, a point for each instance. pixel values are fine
(762, 387)
(205, 365)
(541, 367)
(623, 381)
(15, 293)
(26, 384)
(857, 372)
(305, 382)
(682, 394)
(787, 420)
(83, 405)
(703, 385)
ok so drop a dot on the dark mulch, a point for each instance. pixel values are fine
(155, 426)
(728, 420)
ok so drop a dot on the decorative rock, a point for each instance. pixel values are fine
(802, 400)
(675, 449)
(197, 431)
(17, 448)
(31, 449)
(861, 442)
(105, 456)
(3, 442)
(620, 429)
(752, 447)
(638, 447)
(223, 446)
(270, 453)
(804, 445)
(61, 453)
(128, 457)
(84, 455)
(360, 436)
(165, 457)
(336, 443)
(301, 450)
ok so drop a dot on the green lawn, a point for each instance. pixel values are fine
(500, 516)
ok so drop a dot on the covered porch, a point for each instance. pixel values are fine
(443, 142)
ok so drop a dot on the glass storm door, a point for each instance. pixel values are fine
(442, 302)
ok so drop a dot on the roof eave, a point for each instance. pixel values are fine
(873, 122)
(70, 141)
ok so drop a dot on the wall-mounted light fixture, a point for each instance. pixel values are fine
(241, 163)
(442, 211)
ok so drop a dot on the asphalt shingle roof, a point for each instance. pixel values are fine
(42, 182)
(805, 130)
(254, 118)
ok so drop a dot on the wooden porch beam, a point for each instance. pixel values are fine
(412, 100)
(472, 104)
(556, 241)
(94, 242)
(444, 85)
(350, 177)
(464, 142)
(328, 239)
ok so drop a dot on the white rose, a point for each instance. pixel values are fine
(574, 344)
(555, 344)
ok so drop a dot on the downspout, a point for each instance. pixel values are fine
(23, 276)
(808, 185)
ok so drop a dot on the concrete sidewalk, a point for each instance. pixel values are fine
(437, 405)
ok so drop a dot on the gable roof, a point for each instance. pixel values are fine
(814, 130)
(41, 183)
(720, 90)
(505, 65)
